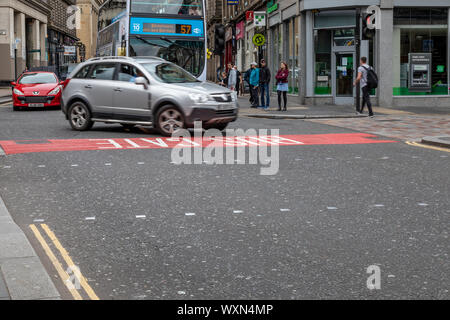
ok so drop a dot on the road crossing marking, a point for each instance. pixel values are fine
(54, 145)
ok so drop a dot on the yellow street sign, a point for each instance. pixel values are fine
(259, 39)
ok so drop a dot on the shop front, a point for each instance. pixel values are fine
(284, 34)
(62, 51)
(240, 45)
(334, 56)
(229, 45)
(420, 32)
(409, 50)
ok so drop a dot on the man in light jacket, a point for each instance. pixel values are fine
(232, 77)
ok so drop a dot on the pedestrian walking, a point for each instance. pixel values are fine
(238, 80)
(282, 84)
(232, 77)
(254, 85)
(368, 80)
(264, 82)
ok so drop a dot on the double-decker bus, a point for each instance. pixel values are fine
(170, 29)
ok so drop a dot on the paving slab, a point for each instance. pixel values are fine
(27, 279)
(22, 275)
(4, 294)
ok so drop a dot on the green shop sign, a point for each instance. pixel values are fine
(272, 6)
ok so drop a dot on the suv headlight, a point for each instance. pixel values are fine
(55, 91)
(18, 92)
(199, 97)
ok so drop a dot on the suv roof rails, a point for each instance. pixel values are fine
(109, 58)
(148, 57)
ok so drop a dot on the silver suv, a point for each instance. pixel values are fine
(144, 91)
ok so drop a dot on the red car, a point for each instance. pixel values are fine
(37, 89)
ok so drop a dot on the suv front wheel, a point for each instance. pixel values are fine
(80, 116)
(169, 119)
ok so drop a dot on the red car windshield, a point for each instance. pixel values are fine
(34, 78)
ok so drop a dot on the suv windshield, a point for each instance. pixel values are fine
(33, 78)
(169, 73)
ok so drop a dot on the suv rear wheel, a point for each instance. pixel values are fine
(80, 116)
(169, 119)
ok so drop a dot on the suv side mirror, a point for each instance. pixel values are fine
(141, 81)
(13, 84)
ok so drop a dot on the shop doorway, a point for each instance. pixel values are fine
(343, 66)
(343, 77)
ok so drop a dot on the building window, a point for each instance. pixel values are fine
(322, 44)
(420, 31)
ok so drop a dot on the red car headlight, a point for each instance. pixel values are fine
(18, 92)
(55, 91)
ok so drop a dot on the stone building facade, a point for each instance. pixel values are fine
(62, 33)
(87, 34)
(23, 31)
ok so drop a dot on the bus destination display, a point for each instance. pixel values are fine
(167, 28)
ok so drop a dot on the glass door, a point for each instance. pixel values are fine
(344, 77)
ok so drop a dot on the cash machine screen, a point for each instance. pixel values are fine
(420, 75)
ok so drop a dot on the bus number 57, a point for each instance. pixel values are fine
(186, 29)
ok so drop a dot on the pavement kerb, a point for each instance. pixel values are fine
(441, 141)
(23, 273)
(279, 116)
(5, 99)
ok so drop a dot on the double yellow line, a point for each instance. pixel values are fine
(64, 275)
(417, 144)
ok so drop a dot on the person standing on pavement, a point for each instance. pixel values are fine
(232, 77)
(363, 71)
(238, 80)
(282, 84)
(224, 79)
(264, 82)
(247, 79)
(254, 85)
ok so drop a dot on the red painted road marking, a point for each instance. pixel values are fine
(51, 145)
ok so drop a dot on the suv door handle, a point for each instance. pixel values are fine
(88, 86)
(118, 89)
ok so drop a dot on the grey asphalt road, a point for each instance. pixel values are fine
(225, 231)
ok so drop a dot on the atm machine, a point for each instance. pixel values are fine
(420, 68)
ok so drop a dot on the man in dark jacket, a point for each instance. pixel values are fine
(264, 81)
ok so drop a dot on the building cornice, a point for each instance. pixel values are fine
(37, 5)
